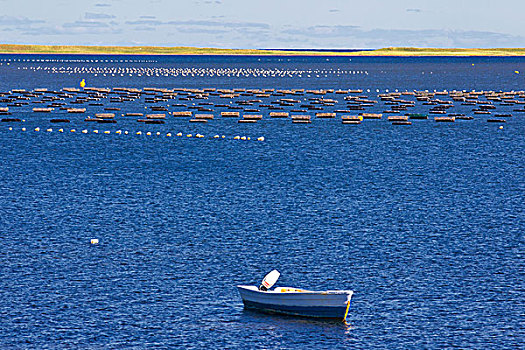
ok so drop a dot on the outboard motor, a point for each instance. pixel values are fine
(269, 280)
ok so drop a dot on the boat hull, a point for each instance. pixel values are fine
(330, 304)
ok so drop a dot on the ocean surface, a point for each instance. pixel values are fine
(424, 222)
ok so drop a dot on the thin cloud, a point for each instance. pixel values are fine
(222, 24)
(18, 21)
(193, 30)
(480, 39)
(86, 24)
(144, 28)
(436, 38)
(75, 28)
(323, 31)
(352, 36)
(91, 15)
(200, 23)
(142, 22)
(415, 10)
(102, 5)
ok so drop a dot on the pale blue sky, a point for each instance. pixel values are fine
(265, 23)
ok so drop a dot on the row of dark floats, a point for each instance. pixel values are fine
(251, 105)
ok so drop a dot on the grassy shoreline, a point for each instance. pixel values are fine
(156, 50)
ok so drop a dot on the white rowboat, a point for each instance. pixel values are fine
(298, 302)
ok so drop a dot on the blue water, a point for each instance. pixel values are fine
(425, 223)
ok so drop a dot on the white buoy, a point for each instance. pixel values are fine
(95, 131)
(84, 131)
(501, 127)
(148, 133)
(23, 129)
(49, 130)
(107, 132)
(179, 134)
(168, 134)
(10, 128)
(60, 130)
(139, 132)
(73, 130)
(94, 241)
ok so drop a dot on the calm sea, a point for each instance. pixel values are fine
(424, 222)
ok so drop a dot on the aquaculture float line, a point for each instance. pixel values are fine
(139, 132)
(252, 106)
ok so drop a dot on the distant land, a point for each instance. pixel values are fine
(155, 50)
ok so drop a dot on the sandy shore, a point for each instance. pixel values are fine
(154, 50)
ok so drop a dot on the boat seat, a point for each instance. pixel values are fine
(288, 290)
